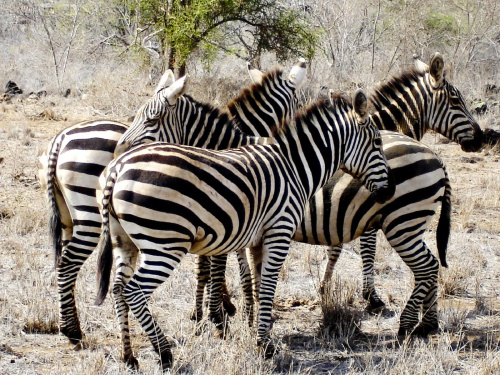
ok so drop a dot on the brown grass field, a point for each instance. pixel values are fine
(352, 342)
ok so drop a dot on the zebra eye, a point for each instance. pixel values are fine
(378, 142)
(455, 101)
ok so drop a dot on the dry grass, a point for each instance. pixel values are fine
(314, 335)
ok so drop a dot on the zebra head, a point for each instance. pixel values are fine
(364, 157)
(448, 113)
(147, 123)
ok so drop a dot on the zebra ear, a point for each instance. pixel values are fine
(360, 103)
(436, 70)
(298, 72)
(166, 80)
(331, 93)
(419, 64)
(255, 74)
(176, 89)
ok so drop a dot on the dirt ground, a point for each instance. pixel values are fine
(469, 305)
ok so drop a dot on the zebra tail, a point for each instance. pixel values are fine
(55, 225)
(444, 224)
(105, 260)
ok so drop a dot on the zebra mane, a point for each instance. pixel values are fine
(385, 90)
(249, 92)
(211, 111)
(314, 109)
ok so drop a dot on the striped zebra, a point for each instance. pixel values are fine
(69, 172)
(413, 103)
(273, 102)
(168, 200)
(69, 169)
(77, 155)
(343, 211)
(340, 225)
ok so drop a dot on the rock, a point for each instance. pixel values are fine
(12, 88)
(5, 98)
(478, 107)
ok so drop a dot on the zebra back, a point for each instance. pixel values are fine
(422, 99)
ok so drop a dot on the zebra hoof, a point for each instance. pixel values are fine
(196, 315)
(166, 360)
(77, 345)
(405, 331)
(267, 349)
(131, 362)
(75, 337)
(424, 330)
(375, 304)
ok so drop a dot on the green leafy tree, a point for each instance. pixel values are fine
(244, 28)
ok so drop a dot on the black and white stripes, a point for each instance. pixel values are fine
(70, 169)
(75, 158)
(263, 193)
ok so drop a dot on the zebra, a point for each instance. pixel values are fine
(69, 171)
(74, 159)
(343, 211)
(318, 228)
(274, 102)
(215, 202)
(413, 103)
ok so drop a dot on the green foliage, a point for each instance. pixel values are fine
(441, 23)
(255, 26)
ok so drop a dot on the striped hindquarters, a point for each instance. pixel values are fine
(75, 156)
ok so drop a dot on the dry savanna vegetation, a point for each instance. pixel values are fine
(315, 335)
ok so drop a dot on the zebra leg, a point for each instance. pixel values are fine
(333, 256)
(430, 322)
(256, 259)
(217, 273)
(368, 242)
(125, 259)
(69, 324)
(202, 270)
(151, 274)
(425, 267)
(78, 243)
(246, 285)
(273, 257)
(227, 304)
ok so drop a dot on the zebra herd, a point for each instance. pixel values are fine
(256, 176)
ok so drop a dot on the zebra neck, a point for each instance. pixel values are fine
(253, 121)
(208, 127)
(264, 107)
(402, 105)
(314, 147)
